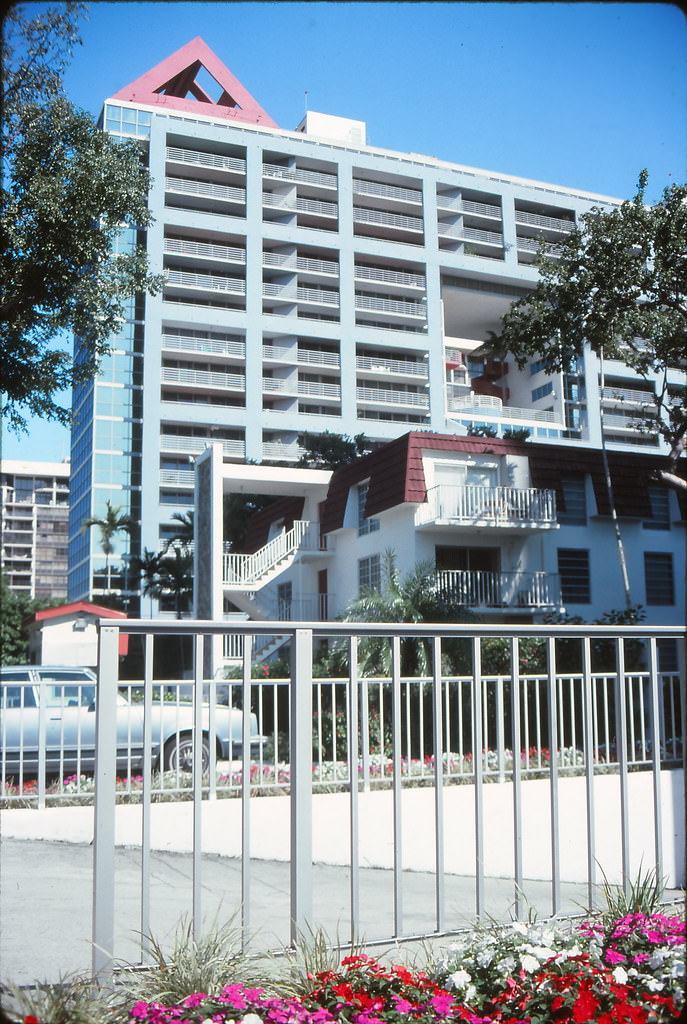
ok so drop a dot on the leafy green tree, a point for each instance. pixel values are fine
(328, 451)
(185, 529)
(619, 285)
(14, 608)
(113, 522)
(67, 192)
(147, 568)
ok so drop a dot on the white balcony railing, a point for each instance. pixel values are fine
(627, 396)
(193, 157)
(196, 445)
(207, 250)
(278, 450)
(203, 378)
(310, 357)
(407, 367)
(300, 174)
(304, 263)
(299, 205)
(382, 396)
(552, 223)
(206, 190)
(177, 477)
(393, 306)
(495, 506)
(383, 219)
(318, 296)
(383, 276)
(179, 343)
(483, 589)
(491, 407)
(205, 282)
(536, 245)
(378, 188)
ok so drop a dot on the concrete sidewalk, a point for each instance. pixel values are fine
(46, 861)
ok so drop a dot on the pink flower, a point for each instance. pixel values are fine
(139, 1011)
(442, 1002)
(614, 957)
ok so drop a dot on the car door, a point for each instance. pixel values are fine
(69, 696)
(18, 723)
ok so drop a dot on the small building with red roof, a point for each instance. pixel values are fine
(68, 634)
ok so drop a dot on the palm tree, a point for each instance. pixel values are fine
(413, 599)
(185, 530)
(175, 578)
(113, 522)
(147, 566)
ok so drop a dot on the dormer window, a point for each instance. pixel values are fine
(365, 524)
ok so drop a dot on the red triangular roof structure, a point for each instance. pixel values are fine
(172, 84)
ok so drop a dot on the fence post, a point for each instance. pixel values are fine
(104, 816)
(301, 782)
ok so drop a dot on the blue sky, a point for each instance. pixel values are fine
(582, 94)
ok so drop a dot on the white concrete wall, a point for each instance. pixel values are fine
(64, 645)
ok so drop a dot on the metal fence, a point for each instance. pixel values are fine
(400, 708)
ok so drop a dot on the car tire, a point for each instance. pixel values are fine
(178, 753)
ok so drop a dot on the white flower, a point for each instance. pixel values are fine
(620, 975)
(485, 957)
(251, 1018)
(529, 963)
(507, 965)
(519, 927)
(460, 979)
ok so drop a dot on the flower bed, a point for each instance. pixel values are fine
(630, 971)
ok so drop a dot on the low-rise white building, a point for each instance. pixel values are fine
(511, 531)
(68, 634)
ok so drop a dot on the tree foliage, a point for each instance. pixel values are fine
(329, 451)
(618, 284)
(68, 192)
(14, 609)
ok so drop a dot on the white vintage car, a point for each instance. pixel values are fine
(64, 698)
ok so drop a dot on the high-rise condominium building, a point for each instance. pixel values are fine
(313, 283)
(35, 514)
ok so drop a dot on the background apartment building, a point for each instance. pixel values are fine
(312, 283)
(35, 516)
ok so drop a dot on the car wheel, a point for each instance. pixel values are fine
(178, 753)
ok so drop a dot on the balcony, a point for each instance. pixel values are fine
(203, 379)
(535, 245)
(388, 368)
(208, 283)
(301, 175)
(488, 407)
(287, 204)
(623, 397)
(180, 443)
(386, 397)
(206, 192)
(307, 357)
(525, 591)
(392, 307)
(178, 343)
(381, 219)
(278, 451)
(381, 190)
(204, 250)
(302, 388)
(302, 263)
(467, 206)
(177, 478)
(194, 158)
(398, 278)
(549, 223)
(510, 508)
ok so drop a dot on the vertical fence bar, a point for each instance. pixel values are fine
(396, 768)
(479, 773)
(245, 790)
(553, 777)
(301, 783)
(365, 731)
(589, 768)
(656, 759)
(500, 739)
(437, 740)
(42, 741)
(517, 774)
(621, 745)
(145, 794)
(104, 813)
(353, 756)
(197, 781)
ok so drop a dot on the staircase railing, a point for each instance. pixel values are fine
(249, 570)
